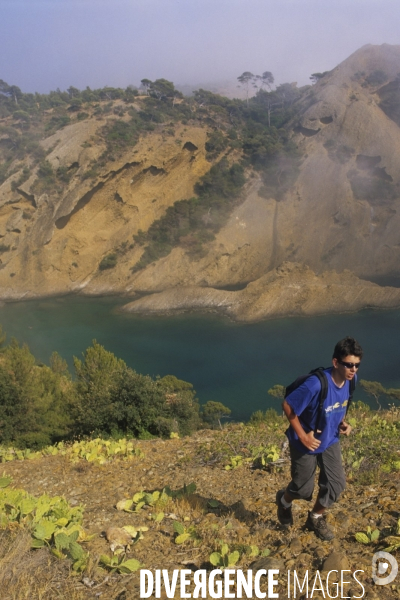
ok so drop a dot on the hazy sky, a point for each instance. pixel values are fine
(47, 44)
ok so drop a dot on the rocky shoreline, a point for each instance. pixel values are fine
(290, 290)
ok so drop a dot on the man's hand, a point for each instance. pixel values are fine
(345, 428)
(309, 441)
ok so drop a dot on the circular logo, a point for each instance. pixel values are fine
(380, 565)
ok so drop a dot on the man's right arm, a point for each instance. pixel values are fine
(307, 439)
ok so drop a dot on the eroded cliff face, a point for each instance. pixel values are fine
(57, 243)
(341, 212)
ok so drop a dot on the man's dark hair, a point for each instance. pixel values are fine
(346, 347)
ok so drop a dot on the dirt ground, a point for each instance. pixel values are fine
(245, 515)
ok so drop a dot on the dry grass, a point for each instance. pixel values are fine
(27, 575)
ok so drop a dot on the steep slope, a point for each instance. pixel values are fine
(342, 211)
(54, 243)
(339, 208)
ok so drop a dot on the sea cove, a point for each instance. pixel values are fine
(227, 362)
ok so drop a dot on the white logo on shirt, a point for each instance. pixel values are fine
(334, 406)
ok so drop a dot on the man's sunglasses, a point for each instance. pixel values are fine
(349, 365)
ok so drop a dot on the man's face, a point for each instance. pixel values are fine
(347, 366)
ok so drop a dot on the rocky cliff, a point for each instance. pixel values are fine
(56, 242)
(340, 212)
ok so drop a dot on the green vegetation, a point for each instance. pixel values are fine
(371, 536)
(108, 262)
(26, 173)
(366, 461)
(96, 450)
(277, 391)
(157, 499)
(224, 559)
(179, 521)
(35, 400)
(49, 180)
(368, 537)
(190, 223)
(213, 412)
(269, 416)
(41, 405)
(29, 118)
(377, 77)
(51, 522)
(315, 77)
(184, 534)
(119, 564)
(375, 390)
(110, 398)
(260, 456)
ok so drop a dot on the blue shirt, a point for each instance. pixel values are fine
(304, 403)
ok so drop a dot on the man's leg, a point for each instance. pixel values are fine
(303, 467)
(331, 483)
(332, 479)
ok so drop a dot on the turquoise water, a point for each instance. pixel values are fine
(232, 363)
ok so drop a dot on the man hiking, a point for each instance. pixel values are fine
(313, 437)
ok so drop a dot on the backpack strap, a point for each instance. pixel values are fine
(321, 396)
(352, 387)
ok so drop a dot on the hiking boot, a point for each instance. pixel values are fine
(285, 516)
(320, 527)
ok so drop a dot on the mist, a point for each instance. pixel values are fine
(49, 44)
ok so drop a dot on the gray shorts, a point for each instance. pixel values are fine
(331, 480)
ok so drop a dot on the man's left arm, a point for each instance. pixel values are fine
(345, 428)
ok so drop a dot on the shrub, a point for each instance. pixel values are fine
(112, 397)
(377, 77)
(26, 173)
(97, 377)
(213, 412)
(33, 440)
(164, 427)
(270, 416)
(34, 401)
(108, 262)
(58, 122)
(215, 144)
(45, 170)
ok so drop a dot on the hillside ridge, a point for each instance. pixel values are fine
(94, 216)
